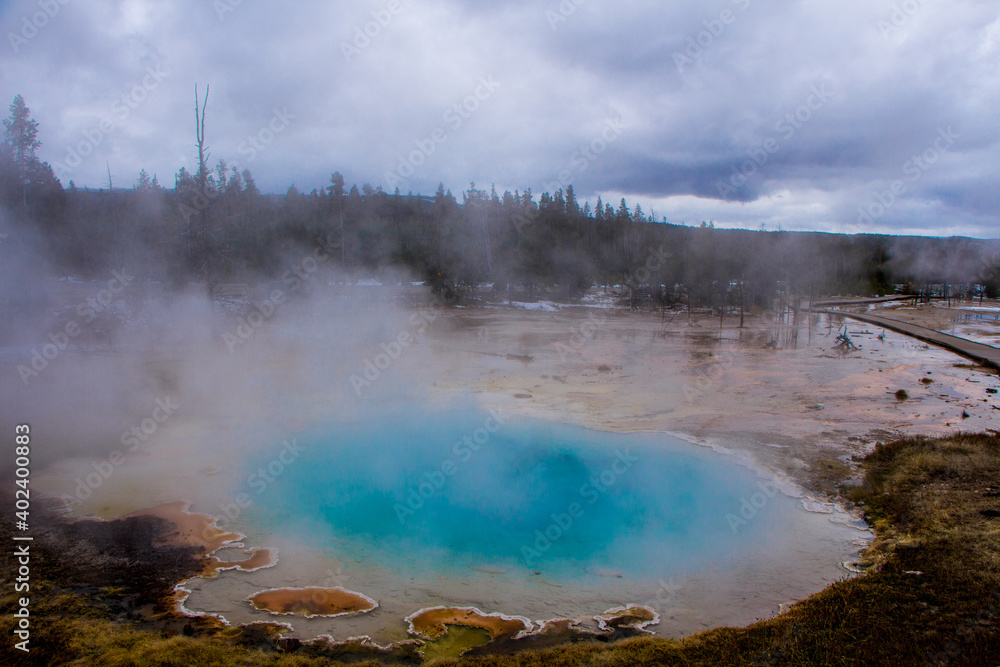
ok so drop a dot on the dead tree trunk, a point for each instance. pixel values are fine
(202, 178)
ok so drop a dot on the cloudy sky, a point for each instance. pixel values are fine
(852, 116)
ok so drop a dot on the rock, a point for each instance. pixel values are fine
(785, 606)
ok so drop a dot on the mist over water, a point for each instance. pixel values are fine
(410, 481)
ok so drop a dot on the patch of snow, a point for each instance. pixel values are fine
(546, 306)
(978, 309)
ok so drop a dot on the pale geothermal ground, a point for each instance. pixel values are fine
(800, 412)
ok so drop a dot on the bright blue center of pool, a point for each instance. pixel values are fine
(443, 490)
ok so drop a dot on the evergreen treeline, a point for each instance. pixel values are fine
(215, 226)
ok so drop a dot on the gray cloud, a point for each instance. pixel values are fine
(692, 114)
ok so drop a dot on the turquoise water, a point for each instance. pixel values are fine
(420, 490)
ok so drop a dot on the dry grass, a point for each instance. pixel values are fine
(932, 596)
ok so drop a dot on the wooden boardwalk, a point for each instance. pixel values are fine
(861, 300)
(980, 352)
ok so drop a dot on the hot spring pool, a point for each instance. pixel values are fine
(460, 507)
